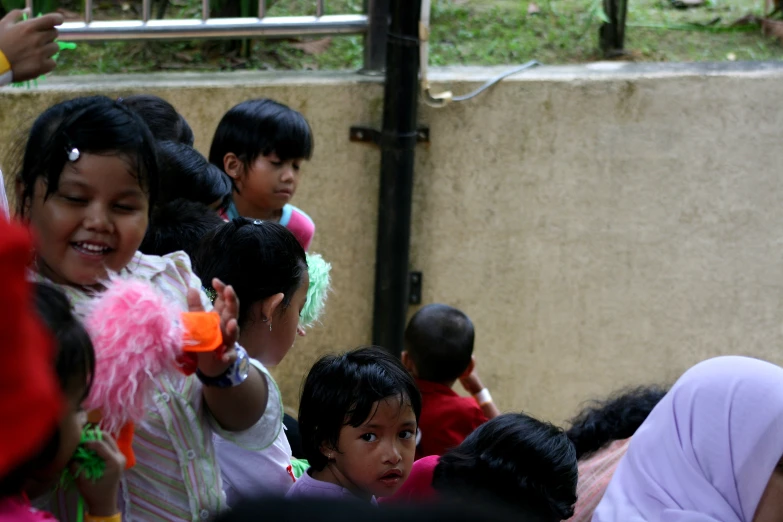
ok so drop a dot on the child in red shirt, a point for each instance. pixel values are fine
(438, 352)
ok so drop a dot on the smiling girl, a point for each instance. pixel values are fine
(87, 183)
(358, 417)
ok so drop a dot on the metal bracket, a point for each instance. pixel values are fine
(414, 288)
(362, 134)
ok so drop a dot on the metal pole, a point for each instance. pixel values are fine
(375, 39)
(611, 36)
(212, 28)
(398, 144)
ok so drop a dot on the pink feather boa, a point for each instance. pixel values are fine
(137, 336)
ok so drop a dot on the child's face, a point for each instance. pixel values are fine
(376, 458)
(94, 222)
(70, 434)
(269, 183)
(770, 508)
(70, 427)
(270, 347)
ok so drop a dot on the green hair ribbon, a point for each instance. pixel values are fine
(319, 271)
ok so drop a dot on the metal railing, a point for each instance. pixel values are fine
(371, 24)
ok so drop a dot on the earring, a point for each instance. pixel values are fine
(330, 456)
(270, 326)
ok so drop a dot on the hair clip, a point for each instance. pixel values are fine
(119, 100)
(74, 154)
(258, 221)
(211, 293)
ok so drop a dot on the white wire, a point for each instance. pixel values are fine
(446, 97)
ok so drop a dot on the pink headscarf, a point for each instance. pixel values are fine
(707, 451)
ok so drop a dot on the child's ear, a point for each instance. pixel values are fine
(327, 451)
(470, 368)
(272, 305)
(407, 361)
(232, 166)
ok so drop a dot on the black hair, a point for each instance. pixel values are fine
(258, 258)
(615, 418)
(439, 340)
(165, 123)
(293, 436)
(94, 125)
(178, 225)
(517, 461)
(75, 352)
(186, 174)
(74, 365)
(339, 510)
(258, 128)
(342, 390)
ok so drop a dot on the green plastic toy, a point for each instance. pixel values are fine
(88, 464)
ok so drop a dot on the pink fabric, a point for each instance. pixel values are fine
(302, 227)
(418, 485)
(707, 451)
(595, 473)
(137, 336)
(18, 509)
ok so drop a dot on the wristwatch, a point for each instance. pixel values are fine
(234, 375)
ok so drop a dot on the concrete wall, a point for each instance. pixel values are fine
(603, 225)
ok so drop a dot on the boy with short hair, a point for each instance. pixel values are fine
(438, 352)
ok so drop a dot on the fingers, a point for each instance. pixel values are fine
(48, 37)
(108, 453)
(108, 439)
(12, 17)
(194, 301)
(50, 50)
(218, 285)
(232, 333)
(229, 356)
(47, 21)
(232, 302)
(48, 66)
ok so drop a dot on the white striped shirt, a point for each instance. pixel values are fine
(176, 476)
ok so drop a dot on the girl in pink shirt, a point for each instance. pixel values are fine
(261, 145)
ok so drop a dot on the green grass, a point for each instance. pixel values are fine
(486, 32)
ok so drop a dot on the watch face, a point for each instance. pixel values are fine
(244, 366)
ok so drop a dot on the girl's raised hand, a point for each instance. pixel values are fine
(227, 307)
(101, 495)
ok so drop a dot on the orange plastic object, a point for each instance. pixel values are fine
(124, 438)
(125, 444)
(202, 332)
